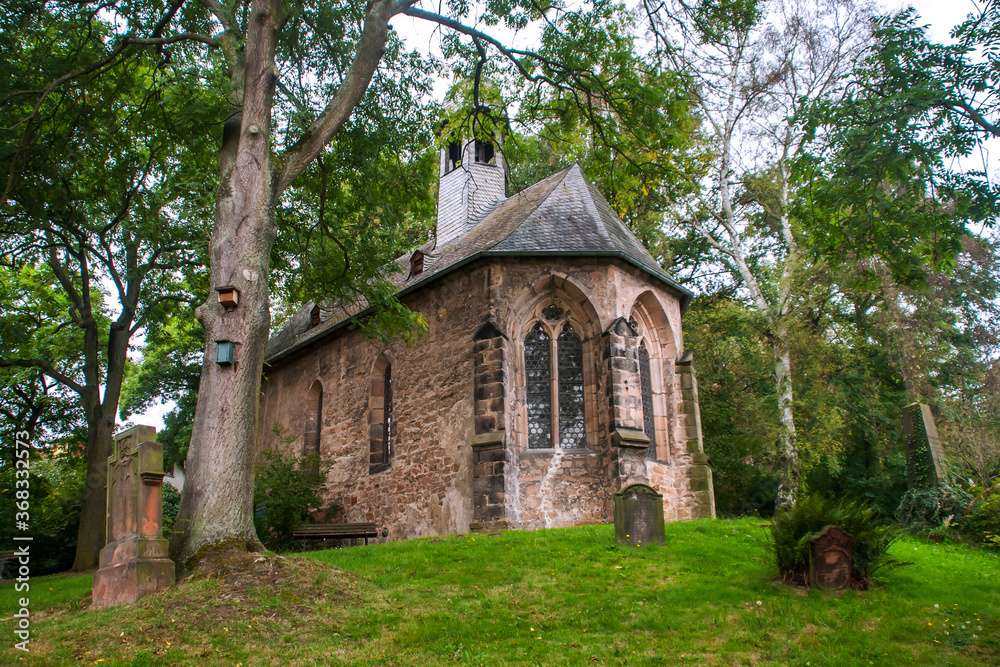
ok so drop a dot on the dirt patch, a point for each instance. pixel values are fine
(232, 599)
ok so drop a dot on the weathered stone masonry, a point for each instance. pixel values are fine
(459, 446)
(489, 455)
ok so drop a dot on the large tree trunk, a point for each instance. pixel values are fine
(216, 505)
(217, 501)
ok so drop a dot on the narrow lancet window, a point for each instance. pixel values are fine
(538, 370)
(314, 418)
(572, 427)
(380, 418)
(646, 383)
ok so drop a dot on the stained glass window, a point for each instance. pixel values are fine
(538, 383)
(646, 383)
(572, 428)
(552, 313)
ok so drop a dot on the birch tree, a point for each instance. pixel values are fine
(755, 66)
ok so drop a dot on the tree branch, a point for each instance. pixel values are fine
(371, 46)
(510, 54)
(46, 368)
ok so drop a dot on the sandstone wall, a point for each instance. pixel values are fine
(427, 489)
(460, 453)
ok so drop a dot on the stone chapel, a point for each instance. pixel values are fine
(552, 374)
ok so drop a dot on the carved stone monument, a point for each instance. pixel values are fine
(925, 461)
(830, 559)
(639, 515)
(134, 562)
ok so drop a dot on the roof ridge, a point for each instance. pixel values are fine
(594, 210)
(597, 196)
(557, 178)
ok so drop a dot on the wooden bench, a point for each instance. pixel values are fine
(326, 531)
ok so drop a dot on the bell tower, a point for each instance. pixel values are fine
(472, 178)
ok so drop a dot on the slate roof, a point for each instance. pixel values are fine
(563, 215)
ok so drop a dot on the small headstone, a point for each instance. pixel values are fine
(830, 559)
(925, 461)
(134, 562)
(639, 515)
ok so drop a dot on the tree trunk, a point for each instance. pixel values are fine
(788, 485)
(91, 535)
(216, 504)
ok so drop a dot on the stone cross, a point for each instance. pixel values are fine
(830, 558)
(925, 460)
(639, 515)
(134, 562)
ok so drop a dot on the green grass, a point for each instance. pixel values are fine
(551, 597)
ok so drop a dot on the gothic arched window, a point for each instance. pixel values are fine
(646, 385)
(572, 429)
(554, 391)
(538, 382)
(380, 417)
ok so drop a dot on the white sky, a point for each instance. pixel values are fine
(940, 15)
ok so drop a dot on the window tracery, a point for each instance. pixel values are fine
(538, 383)
(572, 428)
(554, 383)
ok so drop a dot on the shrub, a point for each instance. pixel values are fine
(793, 527)
(286, 488)
(929, 508)
(171, 504)
(56, 490)
(982, 523)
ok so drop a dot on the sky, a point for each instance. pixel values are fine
(939, 15)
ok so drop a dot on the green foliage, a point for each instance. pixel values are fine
(171, 503)
(286, 489)
(982, 523)
(880, 485)
(33, 309)
(794, 526)
(716, 20)
(55, 491)
(930, 508)
(880, 162)
(733, 365)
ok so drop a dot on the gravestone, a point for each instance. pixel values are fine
(830, 558)
(134, 562)
(639, 515)
(925, 461)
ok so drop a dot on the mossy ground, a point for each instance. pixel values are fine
(568, 596)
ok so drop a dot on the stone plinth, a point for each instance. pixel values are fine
(134, 562)
(639, 515)
(830, 559)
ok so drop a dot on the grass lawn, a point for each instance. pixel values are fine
(567, 596)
